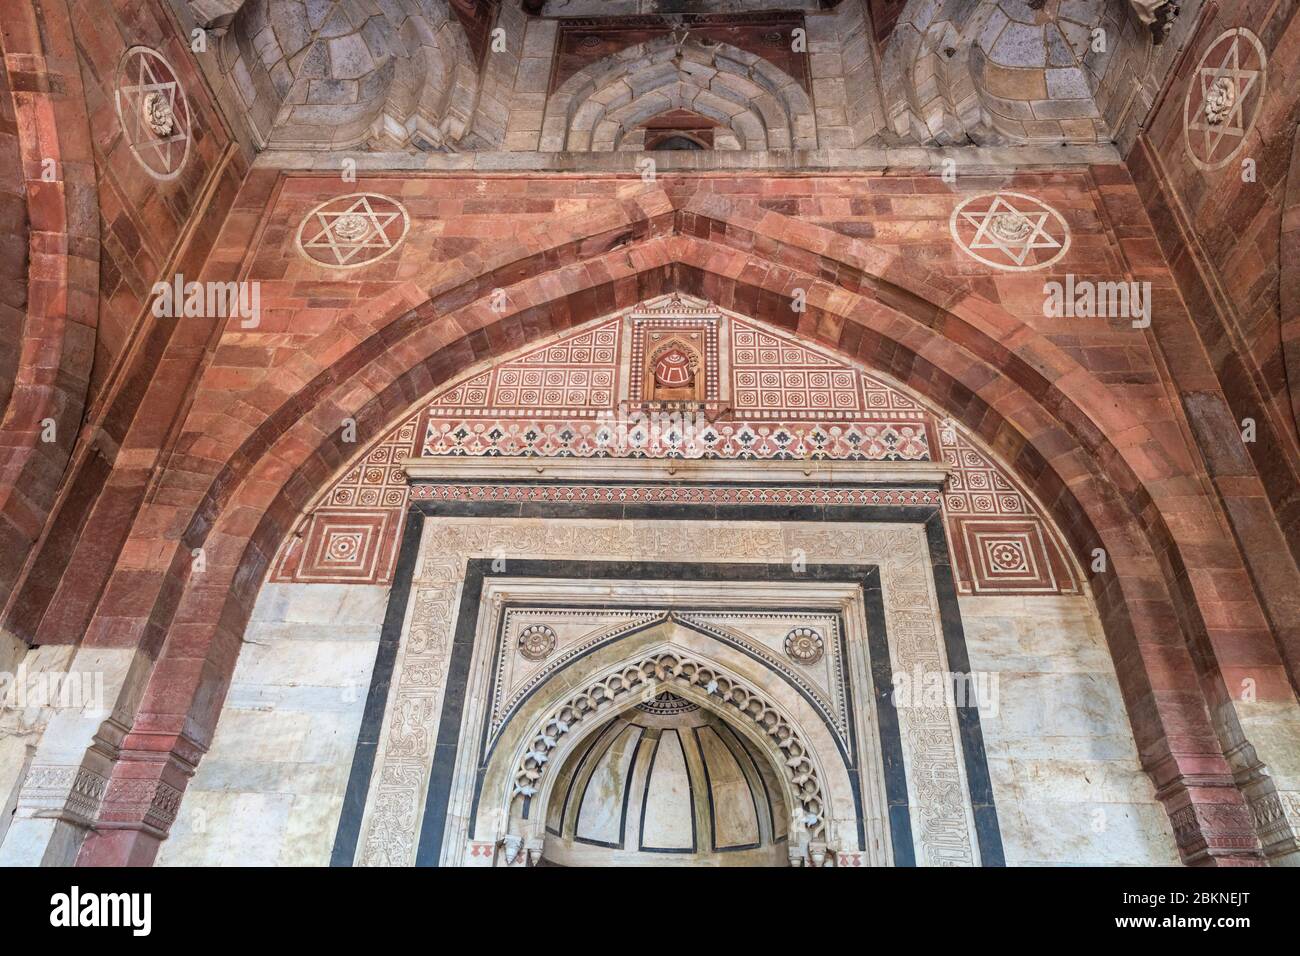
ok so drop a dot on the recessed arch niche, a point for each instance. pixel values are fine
(529, 765)
(666, 783)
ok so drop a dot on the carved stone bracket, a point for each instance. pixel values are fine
(1277, 821)
(148, 781)
(72, 793)
(1158, 16)
(1211, 821)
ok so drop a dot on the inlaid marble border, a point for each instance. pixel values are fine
(693, 592)
(952, 793)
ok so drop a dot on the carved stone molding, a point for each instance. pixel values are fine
(1277, 821)
(804, 645)
(146, 801)
(69, 793)
(411, 722)
(666, 668)
(390, 830)
(536, 642)
(1204, 830)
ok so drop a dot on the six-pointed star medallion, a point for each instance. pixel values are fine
(1010, 231)
(153, 112)
(352, 230)
(1223, 99)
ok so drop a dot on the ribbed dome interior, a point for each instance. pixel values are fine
(667, 783)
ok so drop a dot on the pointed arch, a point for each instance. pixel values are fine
(811, 770)
(1084, 455)
(1290, 280)
(56, 342)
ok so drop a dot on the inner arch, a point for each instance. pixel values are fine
(667, 783)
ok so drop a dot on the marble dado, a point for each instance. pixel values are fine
(1064, 767)
(56, 760)
(1064, 770)
(270, 790)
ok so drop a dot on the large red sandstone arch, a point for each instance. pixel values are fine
(237, 483)
(56, 341)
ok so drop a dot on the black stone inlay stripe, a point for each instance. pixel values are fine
(736, 745)
(579, 762)
(987, 830)
(708, 791)
(891, 739)
(372, 719)
(429, 850)
(690, 798)
(591, 769)
(984, 810)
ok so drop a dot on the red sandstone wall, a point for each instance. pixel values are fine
(262, 433)
(142, 219)
(13, 243)
(1223, 240)
(149, 229)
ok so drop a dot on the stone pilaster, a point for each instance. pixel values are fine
(1211, 820)
(141, 800)
(58, 804)
(1274, 804)
(67, 776)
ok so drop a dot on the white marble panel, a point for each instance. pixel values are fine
(668, 801)
(1066, 777)
(270, 790)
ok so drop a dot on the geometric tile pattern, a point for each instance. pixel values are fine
(378, 480)
(885, 401)
(331, 548)
(1005, 556)
(782, 400)
(774, 374)
(1000, 542)
(976, 486)
(775, 495)
(605, 438)
(572, 377)
(343, 545)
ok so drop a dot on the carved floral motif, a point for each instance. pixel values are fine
(536, 642)
(804, 645)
